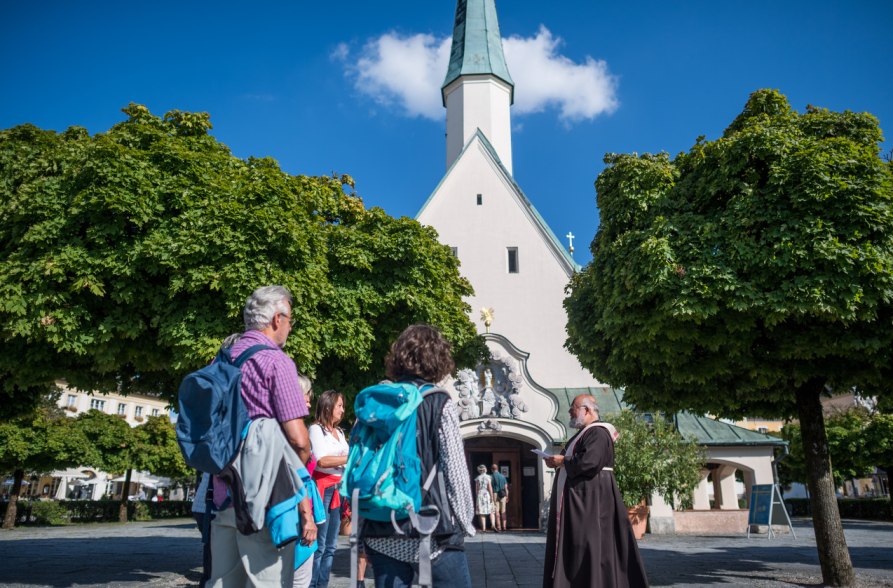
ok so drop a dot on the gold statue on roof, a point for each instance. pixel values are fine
(487, 317)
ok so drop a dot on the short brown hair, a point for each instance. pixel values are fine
(419, 352)
(325, 408)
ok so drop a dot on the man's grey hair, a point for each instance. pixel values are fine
(591, 403)
(305, 382)
(263, 304)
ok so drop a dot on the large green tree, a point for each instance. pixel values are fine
(850, 448)
(160, 453)
(126, 257)
(117, 448)
(41, 440)
(748, 276)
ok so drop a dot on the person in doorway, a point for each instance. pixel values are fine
(483, 505)
(330, 450)
(501, 498)
(590, 540)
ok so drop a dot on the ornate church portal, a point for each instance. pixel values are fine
(504, 415)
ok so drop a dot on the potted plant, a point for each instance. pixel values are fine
(651, 456)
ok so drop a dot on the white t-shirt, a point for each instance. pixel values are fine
(325, 444)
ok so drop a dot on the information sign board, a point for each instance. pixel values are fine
(767, 508)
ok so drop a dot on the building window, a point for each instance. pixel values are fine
(72, 400)
(97, 404)
(480, 199)
(122, 408)
(454, 251)
(138, 411)
(763, 430)
(154, 412)
(512, 260)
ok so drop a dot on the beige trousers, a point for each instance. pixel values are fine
(247, 560)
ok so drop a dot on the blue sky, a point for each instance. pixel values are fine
(353, 87)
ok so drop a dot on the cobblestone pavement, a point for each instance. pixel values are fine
(168, 553)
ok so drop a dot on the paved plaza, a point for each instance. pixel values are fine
(168, 553)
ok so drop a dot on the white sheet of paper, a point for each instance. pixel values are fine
(542, 453)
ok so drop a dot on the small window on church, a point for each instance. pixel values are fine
(480, 199)
(512, 260)
(455, 251)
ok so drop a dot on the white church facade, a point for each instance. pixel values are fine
(519, 270)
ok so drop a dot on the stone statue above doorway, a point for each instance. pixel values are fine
(492, 390)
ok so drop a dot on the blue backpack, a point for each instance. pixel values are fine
(213, 419)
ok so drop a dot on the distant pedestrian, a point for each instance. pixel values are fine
(483, 505)
(590, 540)
(500, 499)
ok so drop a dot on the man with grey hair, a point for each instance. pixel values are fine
(270, 389)
(590, 540)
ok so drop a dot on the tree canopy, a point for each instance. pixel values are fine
(126, 258)
(748, 276)
(744, 268)
(40, 440)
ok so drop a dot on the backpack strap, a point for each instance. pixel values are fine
(246, 355)
(356, 521)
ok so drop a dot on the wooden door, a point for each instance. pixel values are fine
(509, 464)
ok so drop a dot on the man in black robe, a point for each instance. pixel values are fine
(590, 540)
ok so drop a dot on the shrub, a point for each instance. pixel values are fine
(141, 512)
(49, 512)
(877, 509)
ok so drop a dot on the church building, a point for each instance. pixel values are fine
(519, 269)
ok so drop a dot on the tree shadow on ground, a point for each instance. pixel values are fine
(99, 561)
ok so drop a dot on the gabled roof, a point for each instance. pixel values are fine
(534, 215)
(477, 45)
(706, 431)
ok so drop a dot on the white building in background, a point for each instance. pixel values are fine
(519, 270)
(134, 409)
(90, 483)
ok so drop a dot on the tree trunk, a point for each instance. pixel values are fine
(9, 521)
(834, 557)
(122, 510)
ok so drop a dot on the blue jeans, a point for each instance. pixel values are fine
(448, 570)
(327, 538)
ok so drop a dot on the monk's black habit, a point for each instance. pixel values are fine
(597, 546)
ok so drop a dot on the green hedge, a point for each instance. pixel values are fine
(878, 509)
(94, 511)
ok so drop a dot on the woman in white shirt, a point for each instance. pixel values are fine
(329, 447)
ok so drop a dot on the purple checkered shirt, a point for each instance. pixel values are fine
(270, 386)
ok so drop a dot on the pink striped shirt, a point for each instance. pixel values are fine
(270, 386)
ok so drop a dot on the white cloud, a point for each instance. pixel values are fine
(407, 71)
(543, 78)
(403, 71)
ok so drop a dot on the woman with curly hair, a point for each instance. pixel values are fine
(422, 356)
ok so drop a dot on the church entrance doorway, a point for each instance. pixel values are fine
(519, 466)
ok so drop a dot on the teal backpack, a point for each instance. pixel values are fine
(383, 471)
(383, 462)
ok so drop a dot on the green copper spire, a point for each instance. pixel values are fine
(477, 46)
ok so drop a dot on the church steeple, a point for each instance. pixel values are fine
(478, 90)
(477, 46)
